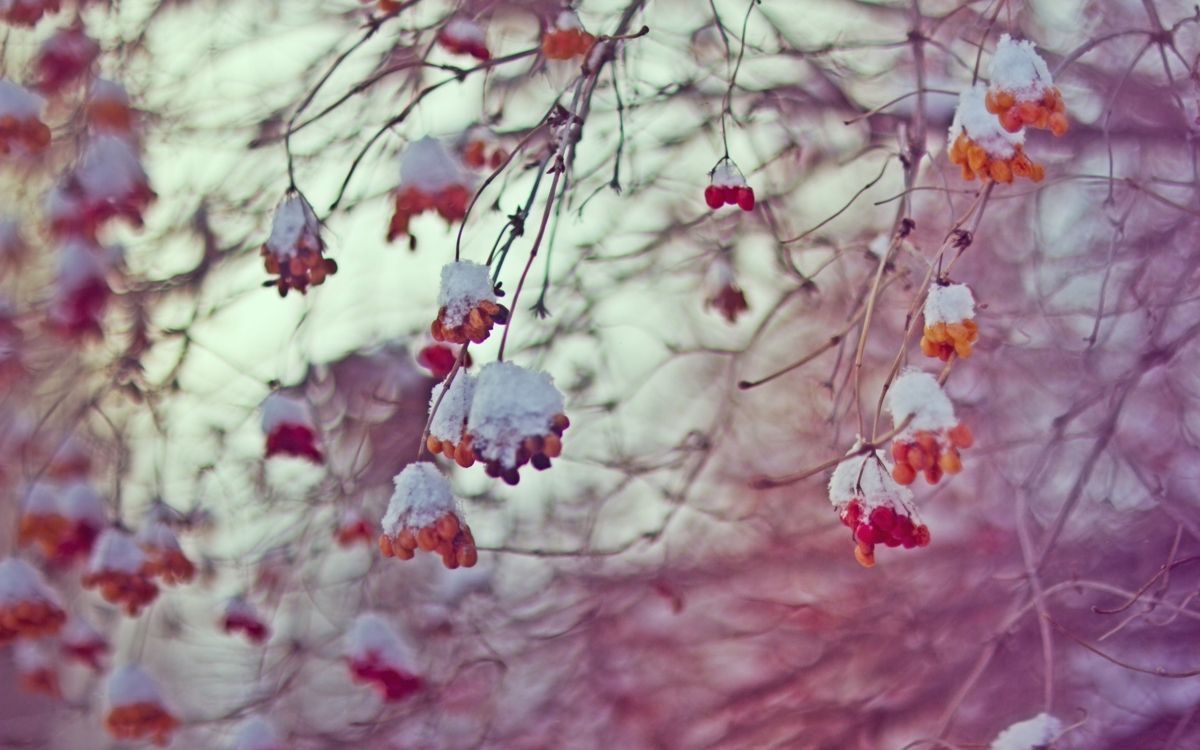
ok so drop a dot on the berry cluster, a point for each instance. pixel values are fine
(450, 203)
(35, 670)
(240, 616)
(884, 524)
(462, 36)
(566, 39)
(536, 450)
(447, 536)
(28, 607)
(728, 188)
(930, 453)
(64, 59)
(27, 12)
(165, 559)
(118, 569)
(943, 339)
(352, 528)
(467, 306)
(377, 656)
(1022, 91)
(393, 684)
(439, 359)
(1047, 113)
(949, 321)
(975, 161)
(475, 328)
(289, 428)
(480, 153)
(21, 130)
(141, 721)
(295, 251)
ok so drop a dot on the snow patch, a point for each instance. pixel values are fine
(511, 404)
(949, 304)
(916, 394)
(982, 127)
(422, 496)
(1030, 734)
(464, 286)
(451, 414)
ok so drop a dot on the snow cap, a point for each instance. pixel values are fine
(18, 102)
(21, 582)
(868, 480)
(116, 552)
(1030, 734)
(1016, 67)
(510, 404)
(949, 304)
(295, 225)
(372, 636)
(464, 286)
(451, 415)
(279, 409)
(422, 496)
(972, 117)
(916, 393)
(130, 685)
(428, 166)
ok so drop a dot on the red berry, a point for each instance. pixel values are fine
(745, 198)
(713, 197)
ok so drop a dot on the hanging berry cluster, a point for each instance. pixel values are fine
(431, 179)
(136, 709)
(377, 656)
(566, 39)
(949, 322)
(988, 133)
(462, 36)
(288, 424)
(423, 515)
(295, 251)
(931, 436)
(727, 187)
(875, 508)
(467, 305)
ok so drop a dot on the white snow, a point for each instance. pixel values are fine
(451, 415)
(295, 225)
(568, 19)
(949, 304)
(279, 409)
(868, 480)
(917, 394)
(79, 632)
(116, 552)
(81, 502)
(1016, 67)
(18, 101)
(464, 285)
(510, 404)
(464, 30)
(80, 261)
(256, 733)
(158, 537)
(42, 499)
(982, 126)
(130, 685)
(727, 174)
(372, 635)
(1029, 734)
(21, 582)
(428, 166)
(422, 496)
(111, 169)
(31, 657)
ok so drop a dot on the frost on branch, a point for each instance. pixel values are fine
(164, 557)
(431, 178)
(1031, 734)
(448, 427)
(256, 733)
(462, 36)
(982, 148)
(467, 306)
(136, 710)
(378, 657)
(875, 508)
(118, 568)
(516, 418)
(294, 251)
(289, 427)
(423, 514)
(240, 615)
(931, 435)
(36, 670)
(727, 187)
(29, 608)
(949, 322)
(566, 39)
(1022, 91)
(21, 128)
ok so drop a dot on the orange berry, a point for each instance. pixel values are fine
(385, 545)
(919, 458)
(976, 157)
(427, 538)
(433, 444)
(1058, 124)
(866, 558)
(900, 452)
(950, 462)
(447, 527)
(928, 348)
(467, 556)
(904, 474)
(1000, 171)
(933, 474)
(960, 436)
(405, 540)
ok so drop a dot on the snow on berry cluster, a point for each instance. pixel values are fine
(64, 59)
(727, 187)
(289, 427)
(462, 36)
(930, 435)
(1031, 734)
(949, 322)
(516, 418)
(241, 616)
(724, 294)
(378, 657)
(119, 569)
(26, 12)
(988, 133)
(431, 179)
(62, 520)
(423, 514)
(295, 251)
(29, 608)
(21, 128)
(566, 39)
(136, 709)
(467, 306)
(448, 425)
(875, 508)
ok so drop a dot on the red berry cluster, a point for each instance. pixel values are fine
(463, 43)
(451, 203)
(393, 684)
(475, 328)
(930, 454)
(883, 525)
(448, 536)
(27, 12)
(256, 630)
(741, 196)
(294, 440)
